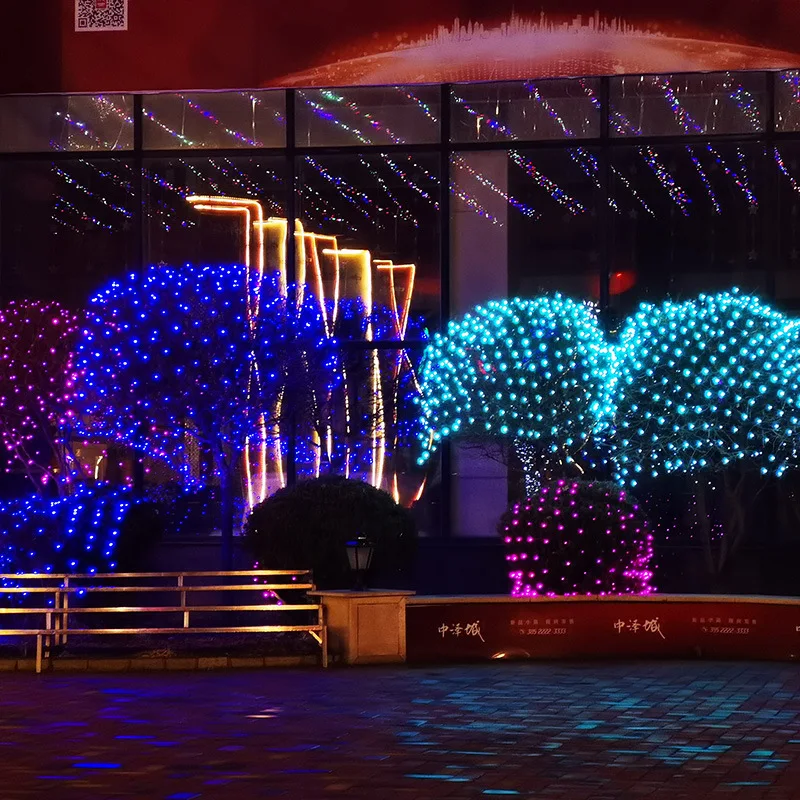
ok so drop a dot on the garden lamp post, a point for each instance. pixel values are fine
(359, 554)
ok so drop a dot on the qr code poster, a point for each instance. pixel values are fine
(101, 15)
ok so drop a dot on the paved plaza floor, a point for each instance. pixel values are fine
(589, 731)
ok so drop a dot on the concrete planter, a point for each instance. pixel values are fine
(366, 627)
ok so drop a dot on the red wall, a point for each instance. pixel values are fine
(212, 44)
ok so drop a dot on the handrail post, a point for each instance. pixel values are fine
(48, 624)
(65, 611)
(183, 602)
(57, 621)
(323, 634)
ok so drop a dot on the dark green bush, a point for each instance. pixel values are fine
(308, 525)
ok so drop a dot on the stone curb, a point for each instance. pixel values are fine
(182, 663)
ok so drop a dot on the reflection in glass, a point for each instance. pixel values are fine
(547, 109)
(47, 123)
(178, 233)
(223, 120)
(66, 227)
(374, 222)
(523, 222)
(368, 428)
(688, 220)
(786, 159)
(705, 104)
(367, 116)
(787, 100)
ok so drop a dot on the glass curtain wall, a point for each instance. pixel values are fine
(400, 208)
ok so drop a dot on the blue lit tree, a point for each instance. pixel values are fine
(172, 353)
(709, 388)
(532, 372)
(74, 534)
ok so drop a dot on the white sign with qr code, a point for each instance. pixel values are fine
(101, 15)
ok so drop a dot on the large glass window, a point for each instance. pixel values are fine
(214, 120)
(406, 215)
(370, 224)
(548, 109)
(203, 210)
(787, 101)
(378, 115)
(66, 227)
(42, 124)
(675, 105)
(687, 219)
(523, 222)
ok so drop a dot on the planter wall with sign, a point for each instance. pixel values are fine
(479, 628)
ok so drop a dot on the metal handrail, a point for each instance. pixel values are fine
(57, 617)
(253, 573)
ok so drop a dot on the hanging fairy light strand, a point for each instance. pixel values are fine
(323, 113)
(86, 191)
(558, 194)
(459, 161)
(662, 174)
(745, 102)
(784, 170)
(211, 117)
(584, 159)
(551, 187)
(688, 124)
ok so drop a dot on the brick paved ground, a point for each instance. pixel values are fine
(659, 731)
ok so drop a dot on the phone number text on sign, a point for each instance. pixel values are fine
(729, 625)
(548, 627)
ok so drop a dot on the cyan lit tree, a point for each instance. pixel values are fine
(171, 353)
(708, 388)
(532, 372)
(36, 391)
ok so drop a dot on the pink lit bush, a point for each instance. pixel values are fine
(36, 392)
(577, 538)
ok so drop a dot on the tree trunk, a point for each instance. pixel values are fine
(226, 523)
(527, 456)
(704, 523)
(225, 470)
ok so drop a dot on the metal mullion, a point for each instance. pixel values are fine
(2, 183)
(364, 149)
(523, 144)
(684, 139)
(291, 251)
(455, 147)
(140, 249)
(381, 344)
(771, 207)
(140, 244)
(209, 152)
(68, 155)
(445, 151)
(603, 216)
